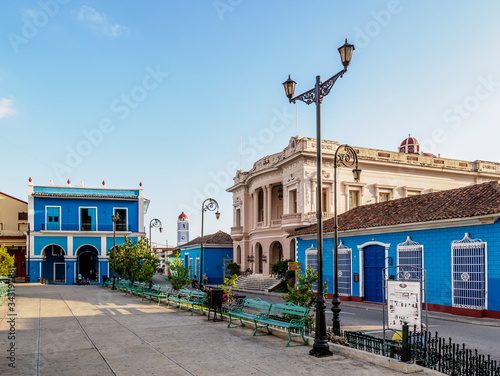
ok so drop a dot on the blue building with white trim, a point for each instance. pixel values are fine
(454, 235)
(217, 253)
(72, 229)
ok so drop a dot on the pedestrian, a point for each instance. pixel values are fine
(205, 279)
(79, 279)
(194, 282)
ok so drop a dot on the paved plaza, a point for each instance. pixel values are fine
(91, 330)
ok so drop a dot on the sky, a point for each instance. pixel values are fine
(179, 95)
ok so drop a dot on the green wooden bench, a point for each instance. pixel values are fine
(157, 292)
(122, 284)
(193, 298)
(286, 315)
(135, 288)
(249, 310)
(4, 292)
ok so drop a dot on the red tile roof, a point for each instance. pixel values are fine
(219, 238)
(471, 201)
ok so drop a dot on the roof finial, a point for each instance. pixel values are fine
(140, 184)
(69, 182)
(30, 180)
(103, 183)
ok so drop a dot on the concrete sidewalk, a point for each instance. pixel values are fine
(90, 330)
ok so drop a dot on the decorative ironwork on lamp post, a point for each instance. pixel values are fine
(115, 219)
(344, 156)
(156, 223)
(211, 205)
(320, 347)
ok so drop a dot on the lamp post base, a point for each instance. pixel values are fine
(320, 349)
(336, 314)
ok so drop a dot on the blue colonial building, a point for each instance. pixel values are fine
(453, 235)
(217, 253)
(72, 229)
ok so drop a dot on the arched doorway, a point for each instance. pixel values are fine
(238, 255)
(54, 264)
(87, 262)
(258, 255)
(292, 250)
(276, 252)
(374, 256)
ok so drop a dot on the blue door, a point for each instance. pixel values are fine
(60, 270)
(374, 262)
(53, 218)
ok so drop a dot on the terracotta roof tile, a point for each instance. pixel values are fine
(220, 237)
(471, 201)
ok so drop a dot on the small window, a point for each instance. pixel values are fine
(383, 197)
(22, 216)
(353, 199)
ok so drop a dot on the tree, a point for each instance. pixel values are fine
(134, 260)
(179, 275)
(6, 262)
(234, 268)
(303, 295)
(281, 267)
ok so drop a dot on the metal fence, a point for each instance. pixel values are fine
(430, 351)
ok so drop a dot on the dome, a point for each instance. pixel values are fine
(410, 145)
(183, 216)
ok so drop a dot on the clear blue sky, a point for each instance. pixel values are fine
(160, 92)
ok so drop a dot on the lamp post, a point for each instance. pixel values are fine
(154, 223)
(344, 156)
(211, 205)
(115, 219)
(320, 347)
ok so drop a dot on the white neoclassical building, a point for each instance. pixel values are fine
(278, 194)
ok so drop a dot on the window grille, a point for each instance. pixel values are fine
(312, 259)
(410, 254)
(344, 270)
(197, 268)
(190, 266)
(469, 273)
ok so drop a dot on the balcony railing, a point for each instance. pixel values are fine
(84, 227)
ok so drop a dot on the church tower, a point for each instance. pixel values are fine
(182, 229)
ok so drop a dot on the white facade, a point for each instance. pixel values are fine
(279, 193)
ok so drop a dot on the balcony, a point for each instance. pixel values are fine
(275, 222)
(290, 222)
(85, 227)
(237, 233)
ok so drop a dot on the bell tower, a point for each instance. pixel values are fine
(182, 229)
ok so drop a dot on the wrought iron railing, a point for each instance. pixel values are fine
(85, 227)
(430, 351)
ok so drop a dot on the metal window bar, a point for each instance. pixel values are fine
(312, 259)
(190, 266)
(469, 273)
(344, 270)
(197, 268)
(410, 253)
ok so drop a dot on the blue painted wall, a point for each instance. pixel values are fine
(212, 262)
(437, 257)
(40, 242)
(70, 212)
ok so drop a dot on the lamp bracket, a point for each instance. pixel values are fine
(310, 96)
(345, 156)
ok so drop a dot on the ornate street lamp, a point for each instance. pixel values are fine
(154, 223)
(320, 347)
(344, 156)
(211, 205)
(115, 219)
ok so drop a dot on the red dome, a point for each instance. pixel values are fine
(410, 145)
(183, 216)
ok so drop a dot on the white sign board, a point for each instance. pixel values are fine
(405, 305)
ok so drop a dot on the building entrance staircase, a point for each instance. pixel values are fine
(256, 282)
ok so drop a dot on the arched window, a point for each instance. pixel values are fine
(344, 270)
(312, 259)
(410, 254)
(469, 273)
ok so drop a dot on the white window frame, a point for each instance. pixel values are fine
(475, 269)
(126, 210)
(80, 217)
(411, 246)
(46, 217)
(342, 249)
(310, 253)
